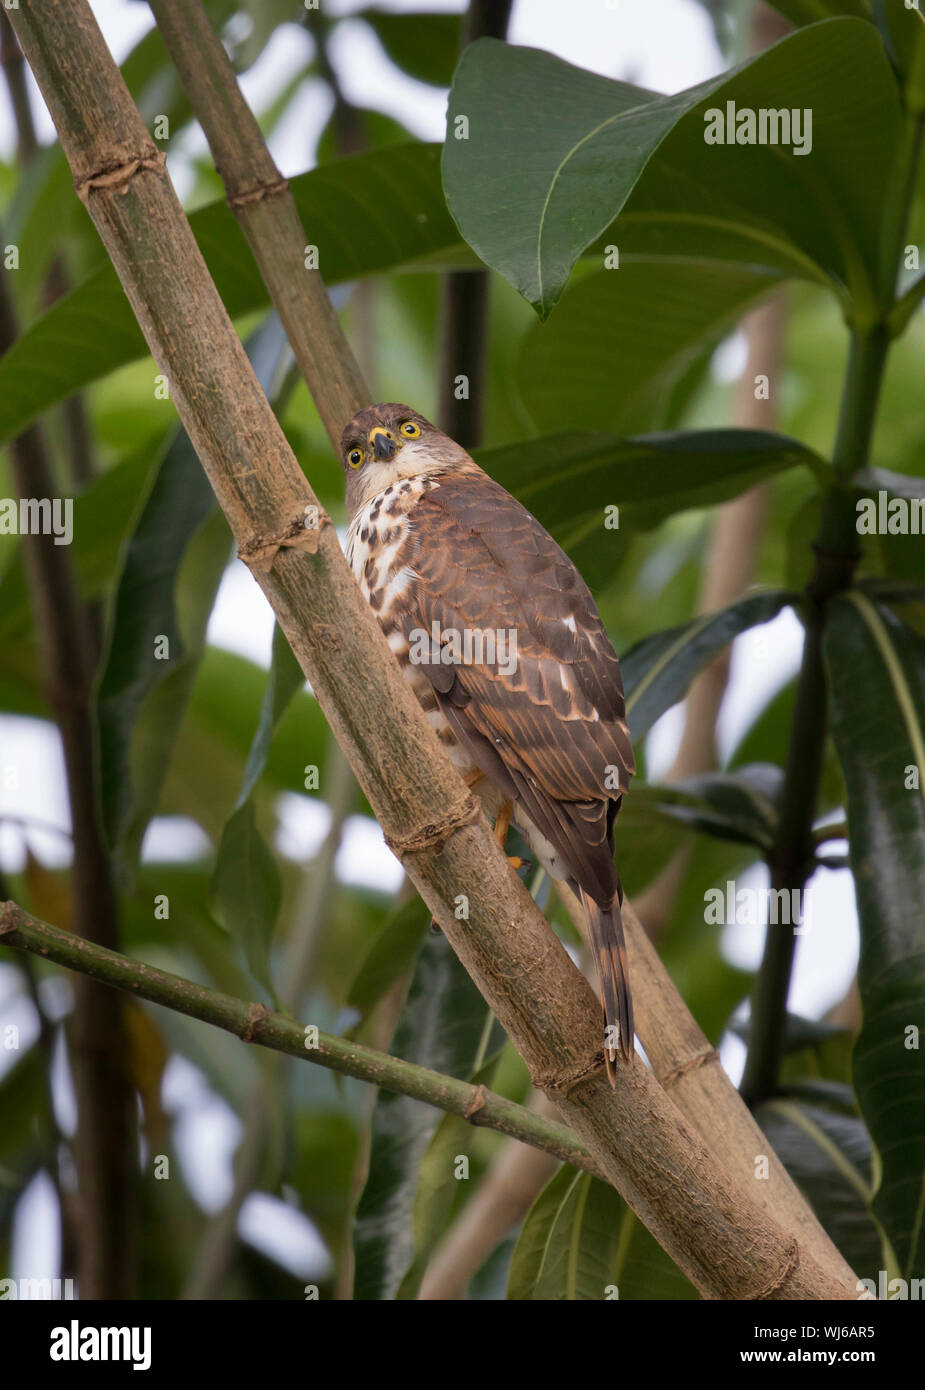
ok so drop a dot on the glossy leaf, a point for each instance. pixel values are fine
(581, 1241)
(876, 668)
(442, 1182)
(621, 343)
(553, 154)
(812, 11)
(92, 331)
(392, 953)
(423, 44)
(741, 805)
(246, 886)
(563, 477)
(441, 1027)
(828, 1155)
(172, 568)
(658, 670)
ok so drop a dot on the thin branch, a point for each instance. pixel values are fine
(260, 199)
(706, 1219)
(255, 1024)
(105, 1146)
(14, 72)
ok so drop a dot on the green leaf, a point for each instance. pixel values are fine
(876, 669)
(365, 214)
(423, 44)
(157, 638)
(103, 516)
(621, 345)
(391, 954)
(801, 12)
(903, 31)
(285, 679)
(441, 1027)
(246, 886)
(740, 805)
(564, 477)
(173, 564)
(658, 670)
(554, 153)
(441, 1184)
(581, 1241)
(247, 890)
(828, 1155)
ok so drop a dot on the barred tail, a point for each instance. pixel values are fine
(609, 947)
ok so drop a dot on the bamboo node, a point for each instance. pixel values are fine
(256, 1014)
(435, 834)
(116, 177)
(260, 552)
(476, 1104)
(258, 191)
(562, 1082)
(783, 1274)
(702, 1059)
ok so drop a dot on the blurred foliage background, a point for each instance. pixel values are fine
(261, 900)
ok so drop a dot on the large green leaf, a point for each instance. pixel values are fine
(103, 516)
(246, 886)
(423, 44)
(365, 214)
(173, 565)
(391, 954)
(553, 154)
(658, 670)
(828, 1155)
(903, 30)
(740, 805)
(622, 343)
(876, 668)
(812, 11)
(441, 1027)
(581, 1241)
(444, 1174)
(44, 217)
(564, 477)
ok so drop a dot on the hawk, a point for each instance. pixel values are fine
(505, 649)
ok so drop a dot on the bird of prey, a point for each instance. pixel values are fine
(505, 649)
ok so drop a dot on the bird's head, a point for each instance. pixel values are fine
(388, 442)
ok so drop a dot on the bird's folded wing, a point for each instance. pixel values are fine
(550, 703)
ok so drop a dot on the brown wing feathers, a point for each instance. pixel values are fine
(556, 723)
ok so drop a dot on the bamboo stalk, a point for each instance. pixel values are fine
(215, 96)
(259, 197)
(713, 1229)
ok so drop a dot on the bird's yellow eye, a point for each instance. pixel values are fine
(355, 458)
(410, 430)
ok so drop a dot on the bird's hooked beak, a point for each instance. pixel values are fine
(383, 444)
